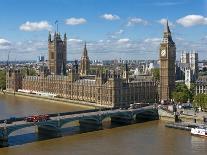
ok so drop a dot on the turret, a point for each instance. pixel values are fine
(49, 37)
(65, 37)
(13, 79)
(57, 52)
(126, 72)
(85, 63)
(85, 52)
(73, 74)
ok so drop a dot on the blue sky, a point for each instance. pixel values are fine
(113, 29)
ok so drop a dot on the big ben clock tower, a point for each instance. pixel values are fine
(167, 65)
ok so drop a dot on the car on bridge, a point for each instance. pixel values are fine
(37, 118)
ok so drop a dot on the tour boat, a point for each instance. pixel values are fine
(199, 131)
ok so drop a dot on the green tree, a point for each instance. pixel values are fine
(200, 100)
(2, 79)
(181, 93)
(29, 71)
(192, 91)
(180, 97)
(156, 73)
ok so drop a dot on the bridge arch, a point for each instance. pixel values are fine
(15, 128)
(67, 121)
(52, 126)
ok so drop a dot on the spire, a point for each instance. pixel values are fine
(65, 36)
(49, 37)
(56, 23)
(166, 28)
(75, 66)
(85, 52)
(167, 34)
(126, 67)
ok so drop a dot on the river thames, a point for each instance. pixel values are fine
(142, 138)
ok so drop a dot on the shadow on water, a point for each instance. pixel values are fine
(67, 131)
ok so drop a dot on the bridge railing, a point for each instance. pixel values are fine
(15, 119)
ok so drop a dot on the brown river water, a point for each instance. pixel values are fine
(149, 138)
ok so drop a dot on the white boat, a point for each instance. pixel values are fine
(199, 131)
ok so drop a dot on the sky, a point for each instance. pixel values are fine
(112, 29)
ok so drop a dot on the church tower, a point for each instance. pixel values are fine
(167, 65)
(85, 63)
(57, 54)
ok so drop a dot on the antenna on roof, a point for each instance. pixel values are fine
(56, 23)
(8, 59)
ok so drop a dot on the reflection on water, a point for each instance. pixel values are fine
(199, 143)
(142, 138)
(30, 134)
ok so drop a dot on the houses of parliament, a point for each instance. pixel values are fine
(107, 89)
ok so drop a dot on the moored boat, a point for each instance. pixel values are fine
(199, 131)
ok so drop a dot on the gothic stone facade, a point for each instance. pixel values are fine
(201, 85)
(167, 65)
(57, 54)
(85, 63)
(13, 79)
(102, 89)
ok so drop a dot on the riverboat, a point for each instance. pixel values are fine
(199, 131)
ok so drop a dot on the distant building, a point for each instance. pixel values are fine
(188, 77)
(201, 85)
(13, 79)
(40, 58)
(184, 58)
(188, 67)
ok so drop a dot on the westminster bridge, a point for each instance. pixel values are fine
(87, 119)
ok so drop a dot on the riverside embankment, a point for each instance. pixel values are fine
(54, 99)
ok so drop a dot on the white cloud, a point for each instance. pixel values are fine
(164, 20)
(75, 40)
(124, 40)
(4, 44)
(110, 17)
(4, 41)
(120, 31)
(75, 21)
(191, 20)
(123, 48)
(152, 40)
(101, 41)
(35, 26)
(136, 21)
(167, 3)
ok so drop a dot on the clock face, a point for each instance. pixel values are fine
(163, 53)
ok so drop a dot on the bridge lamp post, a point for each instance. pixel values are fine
(5, 124)
(58, 119)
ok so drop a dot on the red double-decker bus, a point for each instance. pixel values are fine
(37, 118)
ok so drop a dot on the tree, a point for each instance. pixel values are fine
(28, 71)
(2, 79)
(200, 100)
(156, 73)
(180, 97)
(181, 93)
